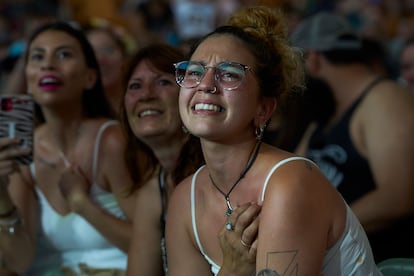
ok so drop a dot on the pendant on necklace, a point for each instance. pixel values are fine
(229, 208)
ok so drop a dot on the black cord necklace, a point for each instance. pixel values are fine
(252, 158)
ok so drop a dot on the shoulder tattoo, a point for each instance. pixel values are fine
(308, 165)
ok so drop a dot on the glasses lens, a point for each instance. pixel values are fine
(188, 74)
(230, 75)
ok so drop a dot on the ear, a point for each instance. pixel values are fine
(90, 78)
(265, 111)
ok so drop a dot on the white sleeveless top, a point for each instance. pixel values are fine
(68, 240)
(350, 255)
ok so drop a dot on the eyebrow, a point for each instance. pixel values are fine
(63, 47)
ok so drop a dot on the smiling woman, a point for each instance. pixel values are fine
(160, 154)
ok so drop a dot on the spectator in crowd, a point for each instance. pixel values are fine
(365, 147)
(406, 65)
(73, 205)
(160, 154)
(229, 89)
(112, 57)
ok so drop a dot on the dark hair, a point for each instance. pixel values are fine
(94, 102)
(140, 157)
(348, 56)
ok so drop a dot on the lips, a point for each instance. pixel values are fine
(49, 82)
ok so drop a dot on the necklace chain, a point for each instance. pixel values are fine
(252, 158)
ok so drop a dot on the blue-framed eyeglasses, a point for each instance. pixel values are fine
(228, 75)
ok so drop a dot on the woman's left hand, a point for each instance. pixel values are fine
(238, 241)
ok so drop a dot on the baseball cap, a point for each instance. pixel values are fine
(325, 31)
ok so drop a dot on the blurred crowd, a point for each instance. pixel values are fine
(388, 23)
(356, 47)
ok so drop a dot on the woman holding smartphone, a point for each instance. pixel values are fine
(72, 206)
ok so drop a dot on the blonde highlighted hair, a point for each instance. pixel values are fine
(269, 26)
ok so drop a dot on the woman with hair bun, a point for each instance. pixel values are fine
(277, 210)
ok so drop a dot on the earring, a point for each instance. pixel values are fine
(185, 130)
(259, 131)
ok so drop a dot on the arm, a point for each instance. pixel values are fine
(387, 130)
(184, 257)
(113, 175)
(144, 256)
(16, 250)
(295, 221)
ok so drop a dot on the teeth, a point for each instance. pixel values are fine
(148, 113)
(209, 107)
(48, 81)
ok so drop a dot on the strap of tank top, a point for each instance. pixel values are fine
(278, 165)
(161, 185)
(368, 89)
(96, 147)
(193, 215)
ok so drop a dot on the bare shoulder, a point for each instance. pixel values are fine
(113, 137)
(389, 95)
(179, 203)
(390, 106)
(298, 179)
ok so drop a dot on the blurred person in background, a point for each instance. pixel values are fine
(406, 65)
(365, 147)
(112, 56)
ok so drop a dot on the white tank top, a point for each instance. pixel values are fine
(350, 255)
(69, 240)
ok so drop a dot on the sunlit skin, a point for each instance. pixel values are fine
(223, 113)
(56, 71)
(151, 105)
(407, 66)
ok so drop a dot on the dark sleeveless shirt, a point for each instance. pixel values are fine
(333, 151)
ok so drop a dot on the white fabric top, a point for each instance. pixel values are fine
(351, 255)
(69, 240)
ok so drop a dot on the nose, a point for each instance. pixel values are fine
(208, 82)
(147, 93)
(48, 62)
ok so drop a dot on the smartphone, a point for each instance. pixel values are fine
(17, 121)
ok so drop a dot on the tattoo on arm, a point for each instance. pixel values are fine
(267, 272)
(286, 257)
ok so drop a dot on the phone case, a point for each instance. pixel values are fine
(17, 120)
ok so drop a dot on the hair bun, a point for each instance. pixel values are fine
(265, 23)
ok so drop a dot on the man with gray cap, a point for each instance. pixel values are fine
(366, 147)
